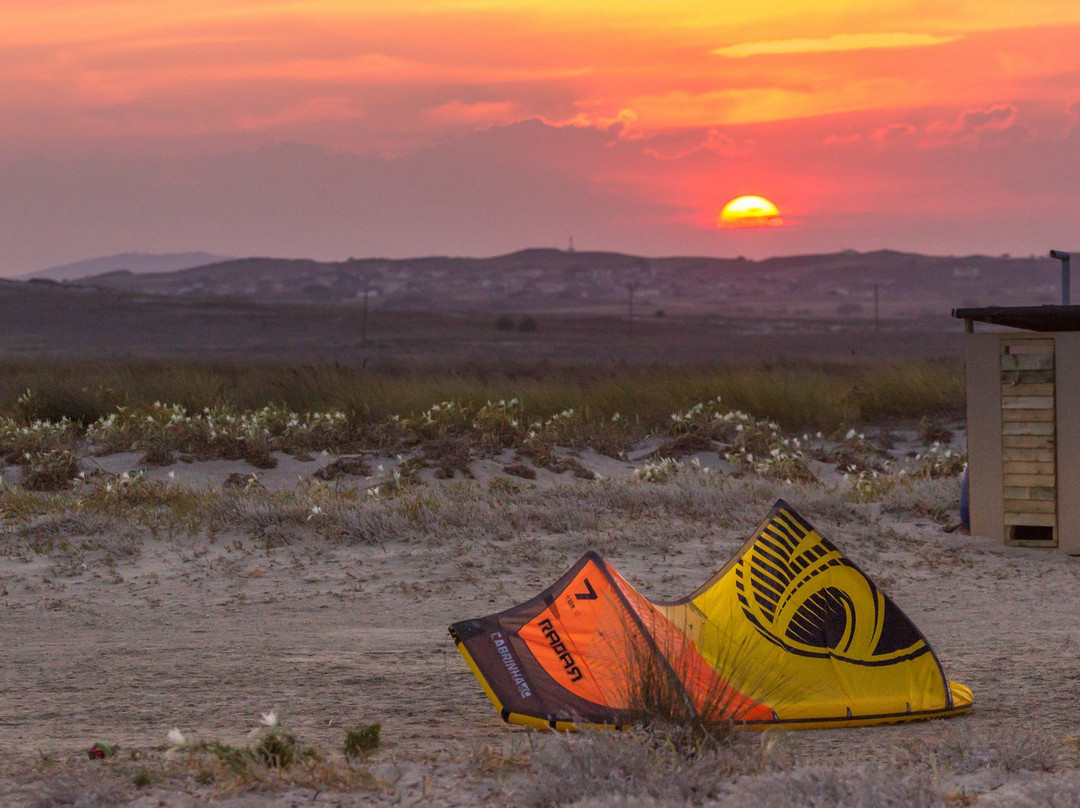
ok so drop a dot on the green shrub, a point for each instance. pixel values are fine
(362, 741)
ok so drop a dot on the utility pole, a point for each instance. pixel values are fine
(630, 287)
(363, 327)
(1063, 257)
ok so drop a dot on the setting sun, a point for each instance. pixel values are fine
(749, 211)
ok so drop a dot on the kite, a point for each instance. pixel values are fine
(789, 633)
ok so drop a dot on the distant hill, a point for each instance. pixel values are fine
(141, 263)
(849, 285)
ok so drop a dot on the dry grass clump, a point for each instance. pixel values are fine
(350, 465)
(853, 453)
(76, 537)
(933, 430)
(69, 790)
(517, 468)
(642, 764)
(273, 759)
(753, 445)
(449, 457)
(377, 525)
(963, 749)
(650, 768)
(934, 497)
(51, 470)
(668, 684)
(362, 741)
(686, 443)
(275, 519)
(162, 429)
(938, 461)
(837, 787)
(397, 508)
(18, 439)
(1061, 791)
(662, 470)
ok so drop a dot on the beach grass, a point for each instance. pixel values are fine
(797, 395)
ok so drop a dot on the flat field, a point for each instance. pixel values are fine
(49, 321)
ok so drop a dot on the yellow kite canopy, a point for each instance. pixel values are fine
(789, 633)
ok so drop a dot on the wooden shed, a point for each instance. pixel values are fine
(1023, 425)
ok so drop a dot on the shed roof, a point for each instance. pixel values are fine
(1030, 318)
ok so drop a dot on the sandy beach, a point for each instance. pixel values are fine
(119, 630)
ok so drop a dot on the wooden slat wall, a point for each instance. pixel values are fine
(1028, 447)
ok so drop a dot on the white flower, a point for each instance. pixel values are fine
(177, 737)
(269, 719)
(172, 475)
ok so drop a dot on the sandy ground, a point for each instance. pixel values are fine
(206, 634)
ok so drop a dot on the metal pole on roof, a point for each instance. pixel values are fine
(1063, 257)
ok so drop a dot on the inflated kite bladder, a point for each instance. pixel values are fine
(789, 633)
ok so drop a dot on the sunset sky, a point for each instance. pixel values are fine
(329, 129)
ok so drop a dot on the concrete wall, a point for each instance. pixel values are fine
(985, 486)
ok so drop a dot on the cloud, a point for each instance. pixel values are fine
(892, 133)
(976, 126)
(999, 116)
(483, 112)
(680, 145)
(832, 44)
(726, 145)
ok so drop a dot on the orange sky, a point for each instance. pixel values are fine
(330, 129)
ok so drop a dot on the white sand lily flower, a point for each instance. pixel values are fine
(176, 737)
(269, 719)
